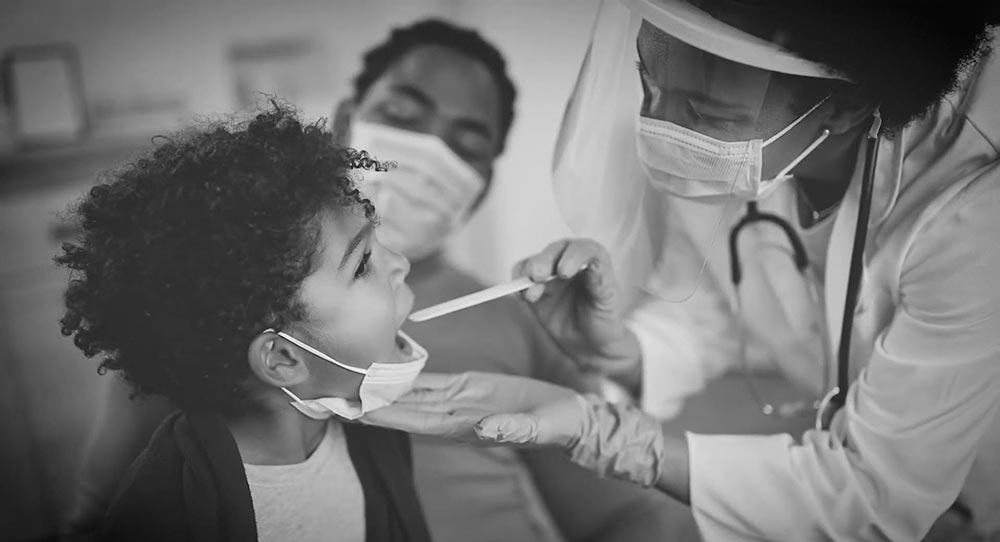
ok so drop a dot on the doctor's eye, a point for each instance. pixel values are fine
(707, 119)
(364, 266)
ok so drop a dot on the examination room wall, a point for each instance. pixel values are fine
(149, 67)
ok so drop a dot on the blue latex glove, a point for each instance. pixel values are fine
(612, 440)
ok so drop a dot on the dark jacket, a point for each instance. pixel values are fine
(189, 485)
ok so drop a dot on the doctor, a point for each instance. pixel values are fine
(753, 169)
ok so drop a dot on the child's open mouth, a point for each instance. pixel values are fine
(403, 347)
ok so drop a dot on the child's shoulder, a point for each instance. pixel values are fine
(190, 463)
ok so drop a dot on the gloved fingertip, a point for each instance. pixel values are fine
(507, 429)
(534, 293)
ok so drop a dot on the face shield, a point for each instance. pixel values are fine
(665, 133)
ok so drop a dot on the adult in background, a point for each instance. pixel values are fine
(436, 99)
(807, 188)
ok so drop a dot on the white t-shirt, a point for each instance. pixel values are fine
(318, 499)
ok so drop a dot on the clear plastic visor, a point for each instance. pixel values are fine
(661, 146)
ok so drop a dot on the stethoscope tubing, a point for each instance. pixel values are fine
(838, 396)
(856, 273)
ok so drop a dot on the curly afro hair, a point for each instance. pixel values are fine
(191, 250)
(402, 40)
(904, 56)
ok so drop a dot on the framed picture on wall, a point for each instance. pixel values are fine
(43, 94)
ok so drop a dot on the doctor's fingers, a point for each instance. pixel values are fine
(450, 424)
(435, 397)
(464, 390)
(541, 266)
(439, 392)
(553, 261)
(591, 262)
(436, 381)
(577, 256)
(558, 423)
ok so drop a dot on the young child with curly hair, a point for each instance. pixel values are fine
(234, 270)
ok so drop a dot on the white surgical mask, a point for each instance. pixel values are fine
(382, 384)
(425, 197)
(693, 165)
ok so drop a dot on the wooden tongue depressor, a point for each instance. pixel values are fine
(473, 299)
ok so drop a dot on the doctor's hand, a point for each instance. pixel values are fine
(494, 409)
(450, 405)
(582, 307)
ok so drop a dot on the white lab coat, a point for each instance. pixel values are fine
(922, 409)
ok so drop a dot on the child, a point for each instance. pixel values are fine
(235, 271)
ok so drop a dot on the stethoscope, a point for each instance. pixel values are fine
(836, 397)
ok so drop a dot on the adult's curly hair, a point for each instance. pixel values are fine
(188, 252)
(904, 56)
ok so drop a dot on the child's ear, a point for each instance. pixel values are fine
(275, 362)
(340, 123)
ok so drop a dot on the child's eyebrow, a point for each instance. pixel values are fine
(354, 243)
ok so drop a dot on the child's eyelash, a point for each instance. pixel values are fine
(364, 266)
(641, 67)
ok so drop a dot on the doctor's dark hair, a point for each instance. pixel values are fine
(188, 252)
(402, 40)
(904, 56)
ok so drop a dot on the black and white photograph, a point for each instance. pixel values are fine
(495, 271)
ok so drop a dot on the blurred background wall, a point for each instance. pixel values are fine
(149, 67)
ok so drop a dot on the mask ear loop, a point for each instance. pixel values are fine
(315, 352)
(794, 123)
(303, 407)
(806, 152)
(292, 395)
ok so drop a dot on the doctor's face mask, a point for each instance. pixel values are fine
(702, 127)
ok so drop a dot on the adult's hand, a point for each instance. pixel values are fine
(582, 308)
(450, 405)
(494, 409)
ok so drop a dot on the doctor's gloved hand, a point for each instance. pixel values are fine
(450, 405)
(582, 307)
(494, 409)
(612, 440)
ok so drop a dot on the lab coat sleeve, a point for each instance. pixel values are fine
(898, 453)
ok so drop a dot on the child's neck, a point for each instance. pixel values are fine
(276, 436)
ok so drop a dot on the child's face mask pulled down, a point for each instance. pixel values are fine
(382, 385)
